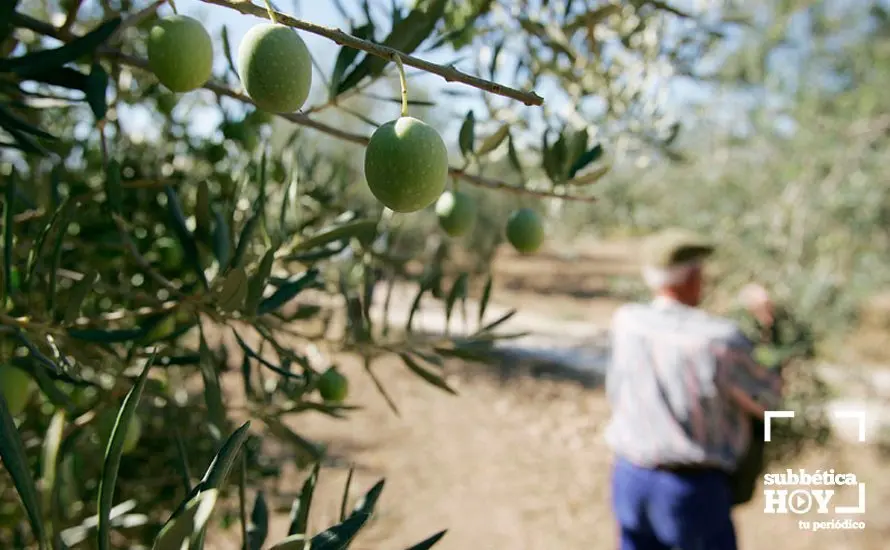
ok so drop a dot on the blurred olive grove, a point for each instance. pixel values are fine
(139, 260)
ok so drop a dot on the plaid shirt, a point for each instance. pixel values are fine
(668, 384)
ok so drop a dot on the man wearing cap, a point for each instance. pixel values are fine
(682, 387)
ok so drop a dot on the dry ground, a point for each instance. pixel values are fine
(519, 464)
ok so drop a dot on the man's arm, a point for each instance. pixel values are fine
(753, 387)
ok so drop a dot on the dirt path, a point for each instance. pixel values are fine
(517, 464)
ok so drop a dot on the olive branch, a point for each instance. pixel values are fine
(302, 119)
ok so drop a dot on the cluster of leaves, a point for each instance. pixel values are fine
(125, 259)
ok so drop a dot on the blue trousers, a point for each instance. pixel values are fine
(661, 510)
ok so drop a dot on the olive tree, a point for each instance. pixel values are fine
(142, 270)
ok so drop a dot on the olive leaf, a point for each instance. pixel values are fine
(405, 36)
(77, 295)
(113, 455)
(95, 89)
(467, 135)
(428, 543)
(299, 513)
(12, 452)
(190, 523)
(258, 530)
(36, 62)
(493, 141)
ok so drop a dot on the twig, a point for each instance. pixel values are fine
(303, 120)
(385, 52)
(297, 118)
(403, 82)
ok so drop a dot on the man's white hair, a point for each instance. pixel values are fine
(657, 278)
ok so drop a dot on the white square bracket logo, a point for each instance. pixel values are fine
(769, 415)
(858, 415)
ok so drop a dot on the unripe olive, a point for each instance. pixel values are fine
(406, 164)
(275, 67)
(456, 212)
(180, 53)
(525, 231)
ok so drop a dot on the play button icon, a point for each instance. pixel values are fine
(800, 501)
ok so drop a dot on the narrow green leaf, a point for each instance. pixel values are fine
(12, 451)
(458, 292)
(481, 355)
(428, 543)
(293, 542)
(486, 296)
(345, 59)
(497, 322)
(36, 62)
(63, 212)
(467, 135)
(341, 535)
(8, 233)
(219, 468)
(202, 210)
(36, 354)
(344, 502)
(222, 247)
(113, 456)
(245, 238)
(229, 295)
(185, 237)
(258, 282)
(57, 258)
(250, 353)
(66, 77)
(591, 177)
(245, 376)
(308, 452)
(182, 457)
(210, 377)
(366, 364)
(288, 291)
(368, 502)
(192, 521)
(95, 91)
(299, 513)
(47, 385)
(77, 295)
(7, 9)
(11, 121)
(576, 145)
(258, 530)
(227, 50)
(430, 377)
(222, 463)
(585, 159)
(405, 36)
(513, 157)
(52, 441)
(493, 141)
(364, 230)
(425, 286)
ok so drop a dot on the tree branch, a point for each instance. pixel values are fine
(385, 52)
(297, 118)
